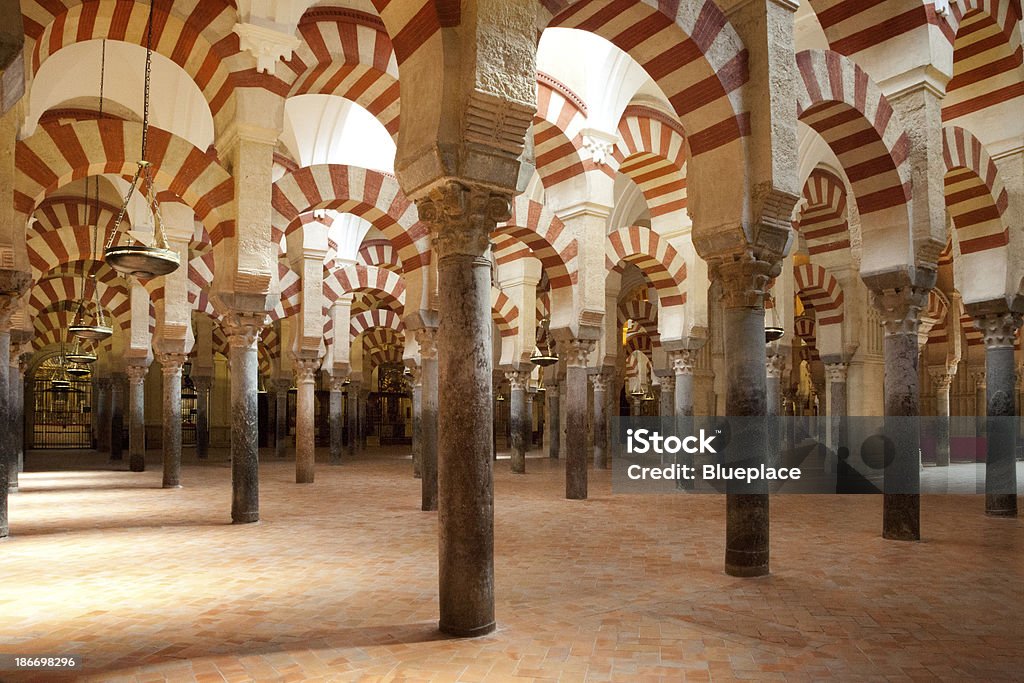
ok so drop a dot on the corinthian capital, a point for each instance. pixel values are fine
(171, 363)
(683, 361)
(836, 372)
(744, 279)
(243, 329)
(576, 351)
(306, 369)
(136, 373)
(518, 379)
(999, 330)
(900, 309)
(426, 337)
(775, 365)
(461, 217)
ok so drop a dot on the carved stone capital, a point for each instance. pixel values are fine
(243, 329)
(836, 372)
(202, 383)
(415, 375)
(744, 279)
(282, 386)
(601, 381)
(171, 363)
(426, 337)
(136, 373)
(999, 330)
(668, 383)
(306, 369)
(8, 307)
(940, 376)
(980, 378)
(461, 217)
(683, 361)
(576, 352)
(337, 383)
(518, 379)
(900, 309)
(775, 365)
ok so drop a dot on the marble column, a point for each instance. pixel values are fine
(942, 380)
(427, 338)
(8, 465)
(554, 424)
(117, 391)
(667, 398)
(243, 332)
(336, 417)
(683, 363)
(775, 366)
(980, 409)
(102, 408)
(600, 383)
(352, 397)
(17, 420)
(528, 423)
(417, 422)
(900, 311)
(835, 374)
(305, 438)
(461, 218)
(576, 352)
(171, 364)
(999, 331)
(747, 515)
(518, 381)
(203, 386)
(136, 417)
(281, 418)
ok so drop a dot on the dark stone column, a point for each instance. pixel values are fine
(775, 366)
(999, 330)
(600, 383)
(171, 364)
(683, 363)
(900, 311)
(103, 414)
(835, 374)
(305, 437)
(942, 379)
(554, 423)
(528, 423)
(336, 406)
(427, 338)
(517, 418)
(117, 392)
(353, 418)
(747, 517)
(136, 417)
(281, 418)
(667, 395)
(417, 422)
(243, 332)
(17, 388)
(8, 465)
(576, 352)
(203, 386)
(364, 409)
(461, 219)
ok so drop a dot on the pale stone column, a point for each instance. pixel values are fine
(17, 421)
(576, 352)
(336, 406)
(171, 364)
(600, 383)
(683, 363)
(8, 465)
(353, 418)
(281, 418)
(999, 330)
(103, 414)
(942, 379)
(518, 380)
(417, 422)
(136, 417)
(203, 386)
(835, 374)
(461, 218)
(427, 338)
(531, 394)
(775, 366)
(243, 331)
(553, 421)
(305, 438)
(563, 413)
(900, 311)
(364, 409)
(117, 391)
(667, 399)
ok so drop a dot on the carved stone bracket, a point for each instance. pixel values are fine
(426, 337)
(461, 217)
(941, 376)
(775, 365)
(337, 383)
(136, 373)
(668, 383)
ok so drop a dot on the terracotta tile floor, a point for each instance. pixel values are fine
(338, 582)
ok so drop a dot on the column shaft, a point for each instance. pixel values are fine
(600, 383)
(281, 420)
(305, 438)
(117, 389)
(243, 332)
(203, 386)
(576, 352)
(554, 424)
(336, 406)
(417, 423)
(1001, 407)
(517, 419)
(353, 416)
(171, 365)
(430, 418)
(136, 417)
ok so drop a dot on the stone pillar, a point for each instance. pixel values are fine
(243, 331)
(461, 220)
(364, 405)
(171, 364)
(576, 352)
(528, 423)
(305, 438)
(17, 419)
(775, 365)
(417, 421)
(999, 330)
(335, 416)
(667, 397)
(900, 311)
(600, 383)
(281, 418)
(203, 386)
(747, 517)
(518, 379)
(353, 417)
(554, 425)
(683, 363)
(136, 417)
(102, 407)
(942, 379)
(117, 388)
(8, 465)
(835, 374)
(427, 338)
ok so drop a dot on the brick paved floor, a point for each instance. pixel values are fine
(339, 582)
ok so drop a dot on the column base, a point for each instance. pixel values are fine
(468, 633)
(745, 571)
(901, 517)
(137, 464)
(245, 518)
(1001, 505)
(304, 479)
(13, 488)
(171, 486)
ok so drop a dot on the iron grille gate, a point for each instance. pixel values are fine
(62, 417)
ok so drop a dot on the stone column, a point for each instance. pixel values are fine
(528, 423)
(999, 330)
(600, 383)
(117, 389)
(353, 417)
(281, 418)
(461, 220)
(554, 425)
(305, 438)
(775, 365)
(835, 374)
(203, 386)
(171, 364)
(136, 417)
(942, 379)
(417, 422)
(683, 363)
(900, 311)
(17, 419)
(747, 518)
(243, 331)
(336, 409)
(102, 408)
(576, 352)
(518, 380)
(667, 399)
(8, 465)
(427, 338)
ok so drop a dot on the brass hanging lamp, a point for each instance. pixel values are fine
(143, 261)
(80, 355)
(60, 381)
(546, 357)
(774, 331)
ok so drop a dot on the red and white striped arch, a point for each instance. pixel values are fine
(378, 317)
(504, 313)
(658, 260)
(62, 212)
(200, 279)
(823, 220)
(51, 250)
(652, 152)
(644, 316)
(52, 292)
(545, 236)
(839, 100)
(379, 253)
(639, 341)
(804, 328)
(557, 133)
(291, 293)
(358, 278)
(382, 345)
(975, 195)
(371, 195)
(821, 291)
(57, 155)
(935, 316)
(854, 25)
(347, 53)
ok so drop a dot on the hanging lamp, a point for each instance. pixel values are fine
(59, 380)
(76, 370)
(775, 331)
(546, 357)
(143, 261)
(80, 355)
